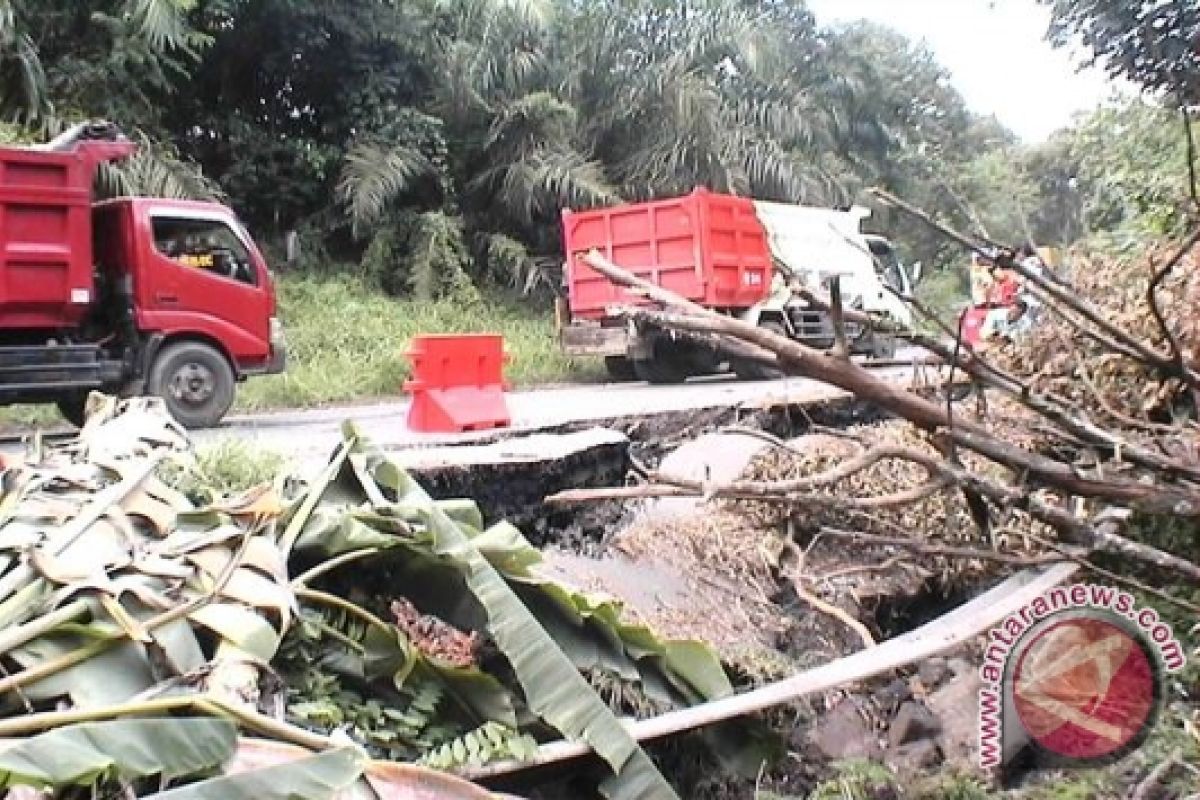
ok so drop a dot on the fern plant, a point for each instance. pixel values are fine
(489, 742)
(317, 661)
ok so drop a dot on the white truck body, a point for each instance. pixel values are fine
(814, 244)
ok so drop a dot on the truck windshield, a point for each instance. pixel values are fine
(887, 264)
(205, 244)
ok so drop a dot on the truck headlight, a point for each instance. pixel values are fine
(276, 331)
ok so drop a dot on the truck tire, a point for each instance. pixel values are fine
(660, 370)
(667, 362)
(73, 408)
(620, 369)
(195, 381)
(754, 371)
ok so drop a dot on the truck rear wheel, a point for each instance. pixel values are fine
(196, 382)
(660, 369)
(754, 371)
(620, 369)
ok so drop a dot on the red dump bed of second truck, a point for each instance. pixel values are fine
(46, 260)
(710, 248)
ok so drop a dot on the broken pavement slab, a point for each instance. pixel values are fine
(523, 450)
(510, 478)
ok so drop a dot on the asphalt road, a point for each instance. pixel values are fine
(309, 436)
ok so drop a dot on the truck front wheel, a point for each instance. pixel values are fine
(196, 382)
(749, 370)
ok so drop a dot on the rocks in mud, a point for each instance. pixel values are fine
(890, 697)
(956, 705)
(912, 723)
(846, 732)
(913, 757)
(933, 671)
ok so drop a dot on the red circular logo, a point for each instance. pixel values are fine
(1085, 688)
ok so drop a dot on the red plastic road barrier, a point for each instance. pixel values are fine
(457, 383)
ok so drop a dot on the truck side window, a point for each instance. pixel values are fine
(210, 245)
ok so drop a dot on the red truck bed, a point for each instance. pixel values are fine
(709, 248)
(46, 233)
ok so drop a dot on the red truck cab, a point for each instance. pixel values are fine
(128, 296)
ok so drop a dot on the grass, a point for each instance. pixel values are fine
(347, 342)
(222, 469)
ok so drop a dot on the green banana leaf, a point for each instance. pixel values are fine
(552, 685)
(132, 748)
(241, 627)
(318, 777)
(113, 676)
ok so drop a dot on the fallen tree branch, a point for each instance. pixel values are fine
(1097, 536)
(1133, 583)
(944, 551)
(1059, 297)
(1070, 420)
(644, 491)
(830, 610)
(931, 417)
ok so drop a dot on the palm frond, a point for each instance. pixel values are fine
(23, 92)
(534, 120)
(156, 170)
(161, 23)
(540, 185)
(373, 175)
(509, 260)
(437, 258)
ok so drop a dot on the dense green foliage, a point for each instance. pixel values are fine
(435, 142)
(1149, 42)
(431, 144)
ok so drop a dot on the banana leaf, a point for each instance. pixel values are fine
(381, 780)
(553, 687)
(132, 748)
(113, 676)
(318, 777)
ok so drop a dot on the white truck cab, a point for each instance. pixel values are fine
(812, 245)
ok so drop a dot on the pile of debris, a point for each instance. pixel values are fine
(351, 622)
(1076, 360)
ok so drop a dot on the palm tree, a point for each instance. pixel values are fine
(544, 105)
(711, 93)
(22, 79)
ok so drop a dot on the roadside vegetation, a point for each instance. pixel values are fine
(347, 341)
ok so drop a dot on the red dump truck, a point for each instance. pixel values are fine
(734, 255)
(129, 296)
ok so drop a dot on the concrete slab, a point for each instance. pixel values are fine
(538, 448)
(714, 457)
